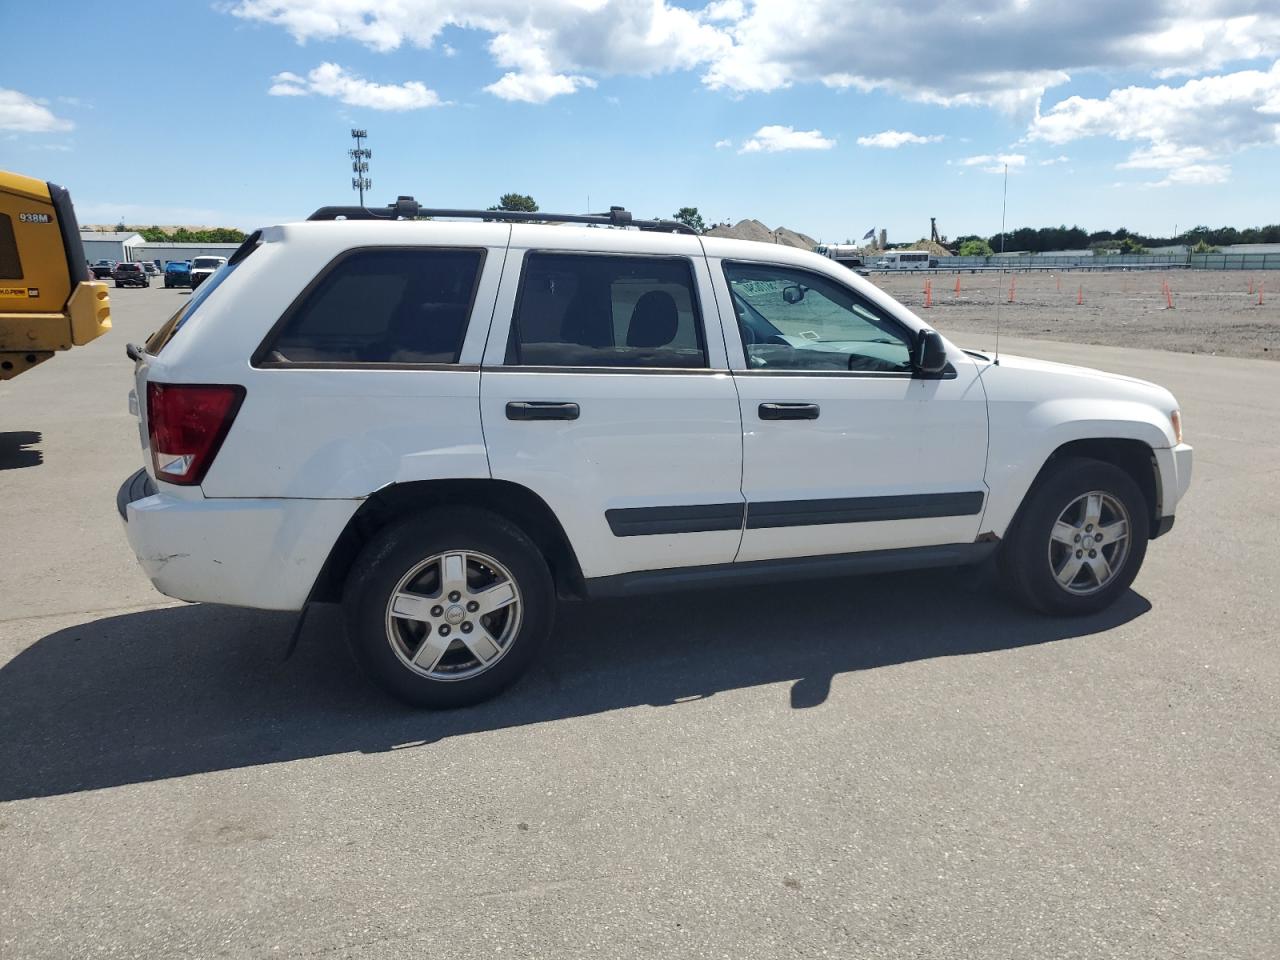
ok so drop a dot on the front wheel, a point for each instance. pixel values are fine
(1078, 541)
(446, 609)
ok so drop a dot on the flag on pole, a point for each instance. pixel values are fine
(869, 234)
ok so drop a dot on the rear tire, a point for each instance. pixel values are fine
(416, 600)
(1078, 540)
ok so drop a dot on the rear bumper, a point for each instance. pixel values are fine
(247, 553)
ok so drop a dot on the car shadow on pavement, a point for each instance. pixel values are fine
(181, 690)
(18, 449)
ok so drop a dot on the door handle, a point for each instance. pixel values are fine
(789, 411)
(541, 410)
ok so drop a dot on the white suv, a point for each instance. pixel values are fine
(448, 425)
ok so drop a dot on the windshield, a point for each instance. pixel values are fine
(207, 263)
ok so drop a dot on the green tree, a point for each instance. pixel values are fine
(516, 202)
(975, 247)
(691, 218)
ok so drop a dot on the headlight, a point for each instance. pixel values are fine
(1175, 418)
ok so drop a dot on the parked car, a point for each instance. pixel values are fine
(130, 275)
(102, 269)
(177, 273)
(446, 426)
(149, 268)
(202, 268)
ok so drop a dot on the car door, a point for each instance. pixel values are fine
(845, 448)
(605, 391)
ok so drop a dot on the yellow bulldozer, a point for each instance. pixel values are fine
(48, 300)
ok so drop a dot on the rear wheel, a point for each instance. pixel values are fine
(1078, 541)
(446, 609)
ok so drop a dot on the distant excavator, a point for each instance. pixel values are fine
(48, 300)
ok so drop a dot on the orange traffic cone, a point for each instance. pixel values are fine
(1251, 286)
(957, 285)
(1013, 287)
(1080, 295)
(928, 294)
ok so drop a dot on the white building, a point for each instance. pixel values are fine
(181, 251)
(103, 245)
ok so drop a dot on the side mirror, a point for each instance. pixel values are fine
(793, 293)
(930, 355)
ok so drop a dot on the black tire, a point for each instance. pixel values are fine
(395, 551)
(1025, 556)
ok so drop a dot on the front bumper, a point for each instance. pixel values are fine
(247, 553)
(1174, 464)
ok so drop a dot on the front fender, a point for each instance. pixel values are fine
(1024, 436)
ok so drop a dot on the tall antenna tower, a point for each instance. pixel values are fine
(360, 157)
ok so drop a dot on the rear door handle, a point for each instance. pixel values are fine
(789, 411)
(541, 410)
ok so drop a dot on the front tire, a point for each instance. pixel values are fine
(448, 608)
(1079, 539)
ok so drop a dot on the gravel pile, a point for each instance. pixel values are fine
(757, 231)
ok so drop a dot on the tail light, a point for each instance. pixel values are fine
(188, 423)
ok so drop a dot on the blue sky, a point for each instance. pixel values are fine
(239, 112)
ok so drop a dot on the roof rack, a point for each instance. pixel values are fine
(407, 208)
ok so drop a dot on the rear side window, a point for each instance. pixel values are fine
(585, 310)
(382, 306)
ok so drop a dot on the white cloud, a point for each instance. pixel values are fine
(731, 10)
(892, 139)
(1184, 128)
(999, 54)
(331, 80)
(28, 115)
(1195, 173)
(995, 163)
(1054, 160)
(775, 139)
(723, 144)
(536, 87)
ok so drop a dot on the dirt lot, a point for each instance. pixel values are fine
(1213, 313)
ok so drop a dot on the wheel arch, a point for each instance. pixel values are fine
(515, 503)
(1135, 457)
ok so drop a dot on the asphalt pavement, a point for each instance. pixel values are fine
(898, 766)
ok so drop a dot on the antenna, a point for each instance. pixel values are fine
(360, 158)
(1004, 206)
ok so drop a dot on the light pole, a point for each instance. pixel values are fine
(360, 158)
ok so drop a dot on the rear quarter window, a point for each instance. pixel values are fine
(380, 306)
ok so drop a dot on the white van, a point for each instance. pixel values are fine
(906, 260)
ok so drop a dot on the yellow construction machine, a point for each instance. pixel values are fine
(48, 301)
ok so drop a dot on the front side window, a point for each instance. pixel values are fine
(590, 310)
(796, 320)
(383, 306)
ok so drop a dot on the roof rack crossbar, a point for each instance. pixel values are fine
(406, 208)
